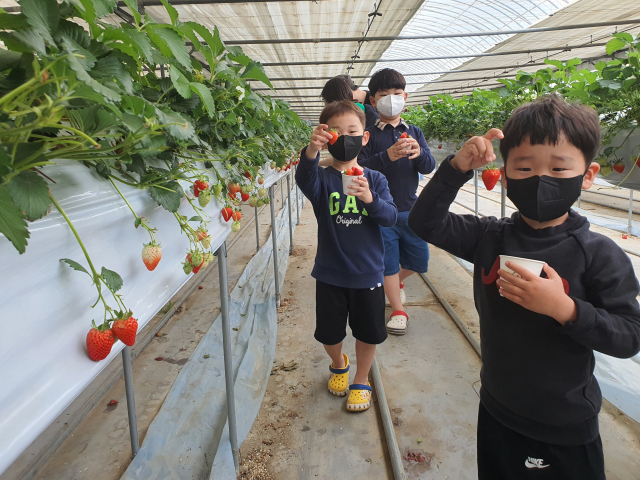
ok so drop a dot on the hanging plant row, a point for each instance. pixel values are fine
(133, 104)
(613, 89)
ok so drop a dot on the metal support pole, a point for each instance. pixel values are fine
(503, 200)
(257, 229)
(475, 182)
(297, 197)
(290, 218)
(226, 347)
(630, 210)
(131, 401)
(274, 235)
(281, 193)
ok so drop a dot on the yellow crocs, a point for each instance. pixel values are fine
(359, 397)
(339, 380)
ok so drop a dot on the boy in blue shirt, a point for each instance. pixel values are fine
(349, 262)
(400, 152)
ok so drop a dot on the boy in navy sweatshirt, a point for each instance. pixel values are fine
(539, 400)
(349, 261)
(400, 152)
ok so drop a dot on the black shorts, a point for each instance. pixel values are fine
(504, 454)
(364, 307)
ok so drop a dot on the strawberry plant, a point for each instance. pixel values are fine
(95, 97)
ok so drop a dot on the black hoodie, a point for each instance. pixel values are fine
(537, 375)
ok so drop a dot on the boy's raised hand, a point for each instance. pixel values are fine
(319, 138)
(477, 152)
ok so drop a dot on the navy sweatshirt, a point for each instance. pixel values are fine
(350, 249)
(537, 375)
(402, 174)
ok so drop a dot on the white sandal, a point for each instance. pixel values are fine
(398, 323)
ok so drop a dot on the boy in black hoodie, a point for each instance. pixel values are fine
(349, 266)
(539, 406)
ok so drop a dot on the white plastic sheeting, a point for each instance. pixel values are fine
(45, 304)
(189, 431)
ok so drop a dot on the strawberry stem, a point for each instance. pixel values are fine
(142, 222)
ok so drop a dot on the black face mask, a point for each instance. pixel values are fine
(544, 198)
(346, 148)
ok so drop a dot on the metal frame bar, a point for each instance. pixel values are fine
(274, 234)
(228, 357)
(131, 402)
(290, 220)
(442, 57)
(489, 33)
(257, 228)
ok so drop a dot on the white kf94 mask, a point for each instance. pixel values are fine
(391, 105)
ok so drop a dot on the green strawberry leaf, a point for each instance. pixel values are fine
(75, 265)
(180, 82)
(140, 41)
(13, 223)
(112, 279)
(205, 95)
(83, 76)
(43, 16)
(31, 194)
(25, 41)
(167, 195)
(173, 13)
(614, 45)
(256, 71)
(170, 43)
(195, 219)
(133, 7)
(13, 22)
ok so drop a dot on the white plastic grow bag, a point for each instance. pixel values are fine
(45, 305)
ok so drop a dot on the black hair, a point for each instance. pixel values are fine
(349, 81)
(335, 90)
(549, 118)
(335, 109)
(386, 79)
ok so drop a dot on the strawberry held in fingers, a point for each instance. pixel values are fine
(490, 176)
(126, 330)
(151, 255)
(99, 342)
(334, 137)
(358, 171)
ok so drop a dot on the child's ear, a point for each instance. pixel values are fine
(405, 96)
(365, 138)
(590, 176)
(373, 101)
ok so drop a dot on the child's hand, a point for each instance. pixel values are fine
(319, 138)
(477, 152)
(541, 295)
(414, 148)
(399, 149)
(361, 190)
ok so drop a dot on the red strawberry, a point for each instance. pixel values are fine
(233, 188)
(237, 216)
(349, 171)
(334, 136)
(404, 135)
(196, 259)
(619, 167)
(490, 176)
(226, 213)
(440, 146)
(245, 196)
(99, 343)
(357, 171)
(126, 330)
(201, 233)
(261, 180)
(151, 255)
(248, 175)
(199, 186)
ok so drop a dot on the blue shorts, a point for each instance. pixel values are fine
(402, 247)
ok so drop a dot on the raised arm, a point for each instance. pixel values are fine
(308, 177)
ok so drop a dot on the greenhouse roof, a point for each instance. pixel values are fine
(303, 43)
